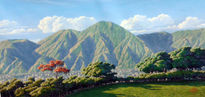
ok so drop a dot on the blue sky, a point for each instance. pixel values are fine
(29, 19)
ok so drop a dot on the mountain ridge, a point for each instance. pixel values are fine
(103, 41)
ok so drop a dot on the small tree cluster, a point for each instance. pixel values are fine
(56, 66)
(99, 69)
(161, 63)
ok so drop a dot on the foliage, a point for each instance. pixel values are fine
(55, 66)
(161, 62)
(173, 75)
(184, 58)
(8, 88)
(99, 69)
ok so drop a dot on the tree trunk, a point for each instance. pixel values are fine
(56, 75)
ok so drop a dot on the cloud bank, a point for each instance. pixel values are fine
(140, 24)
(8, 27)
(56, 23)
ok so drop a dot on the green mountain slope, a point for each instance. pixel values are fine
(192, 38)
(17, 56)
(57, 46)
(157, 42)
(106, 41)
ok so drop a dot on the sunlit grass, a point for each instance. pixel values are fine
(172, 89)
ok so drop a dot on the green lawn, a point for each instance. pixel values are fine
(171, 89)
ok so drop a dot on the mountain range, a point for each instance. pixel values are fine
(103, 41)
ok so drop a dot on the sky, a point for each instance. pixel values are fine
(37, 19)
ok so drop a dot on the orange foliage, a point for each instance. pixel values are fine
(52, 64)
(41, 66)
(59, 62)
(61, 69)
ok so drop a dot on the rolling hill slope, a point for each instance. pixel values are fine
(192, 38)
(17, 56)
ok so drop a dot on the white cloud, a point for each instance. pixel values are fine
(191, 23)
(7, 23)
(36, 40)
(56, 23)
(141, 24)
(8, 27)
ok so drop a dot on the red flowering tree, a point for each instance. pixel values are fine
(55, 66)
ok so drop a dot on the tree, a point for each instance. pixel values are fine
(188, 58)
(9, 89)
(55, 66)
(161, 62)
(99, 69)
(182, 59)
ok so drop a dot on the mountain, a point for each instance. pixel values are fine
(157, 42)
(17, 56)
(103, 41)
(58, 45)
(192, 38)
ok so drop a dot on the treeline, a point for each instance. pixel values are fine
(95, 74)
(171, 76)
(186, 58)
(52, 87)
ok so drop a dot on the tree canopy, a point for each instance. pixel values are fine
(99, 69)
(56, 66)
(184, 58)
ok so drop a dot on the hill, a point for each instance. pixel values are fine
(161, 41)
(17, 56)
(192, 38)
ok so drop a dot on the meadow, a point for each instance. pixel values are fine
(169, 89)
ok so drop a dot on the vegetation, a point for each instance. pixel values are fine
(182, 59)
(53, 87)
(161, 62)
(171, 89)
(173, 76)
(185, 60)
(99, 69)
(55, 66)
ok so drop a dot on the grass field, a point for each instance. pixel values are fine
(171, 89)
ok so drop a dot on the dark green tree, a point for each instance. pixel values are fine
(99, 69)
(161, 62)
(187, 58)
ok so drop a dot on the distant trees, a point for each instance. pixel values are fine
(184, 58)
(99, 69)
(56, 66)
